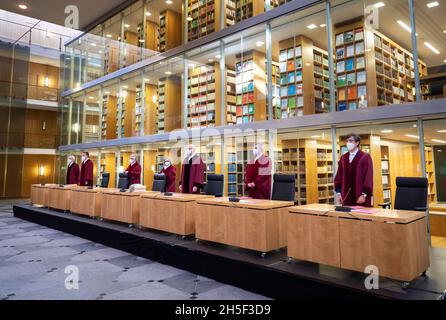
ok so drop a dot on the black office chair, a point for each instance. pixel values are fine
(215, 184)
(104, 180)
(411, 194)
(159, 183)
(284, 187)
(123, 182)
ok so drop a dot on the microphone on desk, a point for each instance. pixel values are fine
(234, 199)
(344, 208)
(168, 194)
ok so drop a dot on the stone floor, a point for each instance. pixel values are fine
(35, 262)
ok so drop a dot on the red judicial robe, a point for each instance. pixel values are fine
(134, 173)
(356, 177)
(86, 176)
(192, 174)
(171, 174)
(73, 174)
(259, 173)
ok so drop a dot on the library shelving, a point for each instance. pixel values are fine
(111, 56)
(250, 87)
(371, 69)
(249, 8)
(304, 77)
(139, 121)
(231, 100)
(203, 96)
(108, 165)
(130, 55)
(108, 121)
(145, 121)
(169, 104)
(170, 35)
(430, 171)
(149, 37)
(126, 122)
(237, 159)
(311, 161)
(386, 177)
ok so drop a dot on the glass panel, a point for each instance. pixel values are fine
(77, 110)
(300, 64)
(92, 132)
(110, 112)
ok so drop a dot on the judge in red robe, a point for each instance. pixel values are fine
(86, 176)
(171, 173)
(133, 171)
(258, 175)
(354, 179)
(192, 172)
(72, 171)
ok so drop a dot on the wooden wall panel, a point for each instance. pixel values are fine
(31, 176)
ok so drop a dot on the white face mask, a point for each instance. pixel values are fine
(351, 146)
(166, 164)
(255, 152)
(188, 152)
(70, 161)
(132, 161)
(84, 158)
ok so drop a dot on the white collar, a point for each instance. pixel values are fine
(353, 154)
(258, 157)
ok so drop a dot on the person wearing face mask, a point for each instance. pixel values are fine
(171, 173)
(258, 174)
(133, 171)
(86, 175)
(72, 171)
(192, 172)
(354, 179)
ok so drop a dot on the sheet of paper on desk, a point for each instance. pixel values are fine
(365, 210)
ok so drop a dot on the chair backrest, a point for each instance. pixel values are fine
(159, 183)
(284, 187)
(105, 180)
(215, 184)
(123, 182)
(411, 193)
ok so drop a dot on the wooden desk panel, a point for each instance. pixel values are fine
(252, 224)
(39, 194)
(313, 237)
(86, 201)
(174, 214)
(120, 206)
(59, 197)
(393, 240)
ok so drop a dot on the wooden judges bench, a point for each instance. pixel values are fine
(251, 224)
(395, 241)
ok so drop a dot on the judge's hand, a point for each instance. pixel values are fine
(251, 185)
(194, 189)
(361, 200)
(339, 196)
(180, 187)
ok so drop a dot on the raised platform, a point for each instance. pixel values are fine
(271, 276)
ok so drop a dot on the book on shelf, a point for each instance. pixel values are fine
(298, 76)
(362, 91)
(342, 106)
(292, 102)
(341, 95)
(291, 78)
(350, 52)
(339, 39)
(351, 78)
(340, 67)
(298, 51)
(361, 77)
(290, 65)
(359, 48)
(351, 93)
(342, 80)
(298, 63)
(348, 36)
(291, 90)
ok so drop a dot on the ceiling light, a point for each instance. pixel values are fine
(147, 80)
(108, 35)
(148, 14)
(427, 44)
(439, 141)
(210, 60)
(100, 51)
(379, 5)
(218, 56)
(412, 136)
(91, 98)
(141, 40)
(386, 131)
(189, 19)
(127, 25)
(312, 26)
(107, 92)
(125, 87)
(441, 131)
(405, 26)
(315, 137)
(259, 43)
(168, 73)
(93, 44)
(323, 25)
(23, 6)
(432, 4)
(169, 1)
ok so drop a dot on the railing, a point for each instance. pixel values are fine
(23, 91)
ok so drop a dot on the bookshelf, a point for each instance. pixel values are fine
(386, 177)
(231, 96)
(311, 161)
(131, 52)
(250, 87)
(237, 159)
(371, 69)
(127, 114)
(108, 121)
(170, 35)
(248, 8)
(430, 171)
(148, 38)
(150, 114)
(111, 56)
(139, 121)
(304, 78)
(169, 104)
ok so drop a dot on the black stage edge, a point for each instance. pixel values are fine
(272, 277)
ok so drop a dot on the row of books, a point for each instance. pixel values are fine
(291, 90)
(290, 53)
(349, 36)
(350, 50)
(245, 87)
(245, 110)
(210, 107)
(290, 65)
(245, 99)
(350, 79)
(203, 98)
(351, 105)
(350, 64)
(292, 102)
(352, 93)
(201, 89)
(291, 77)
